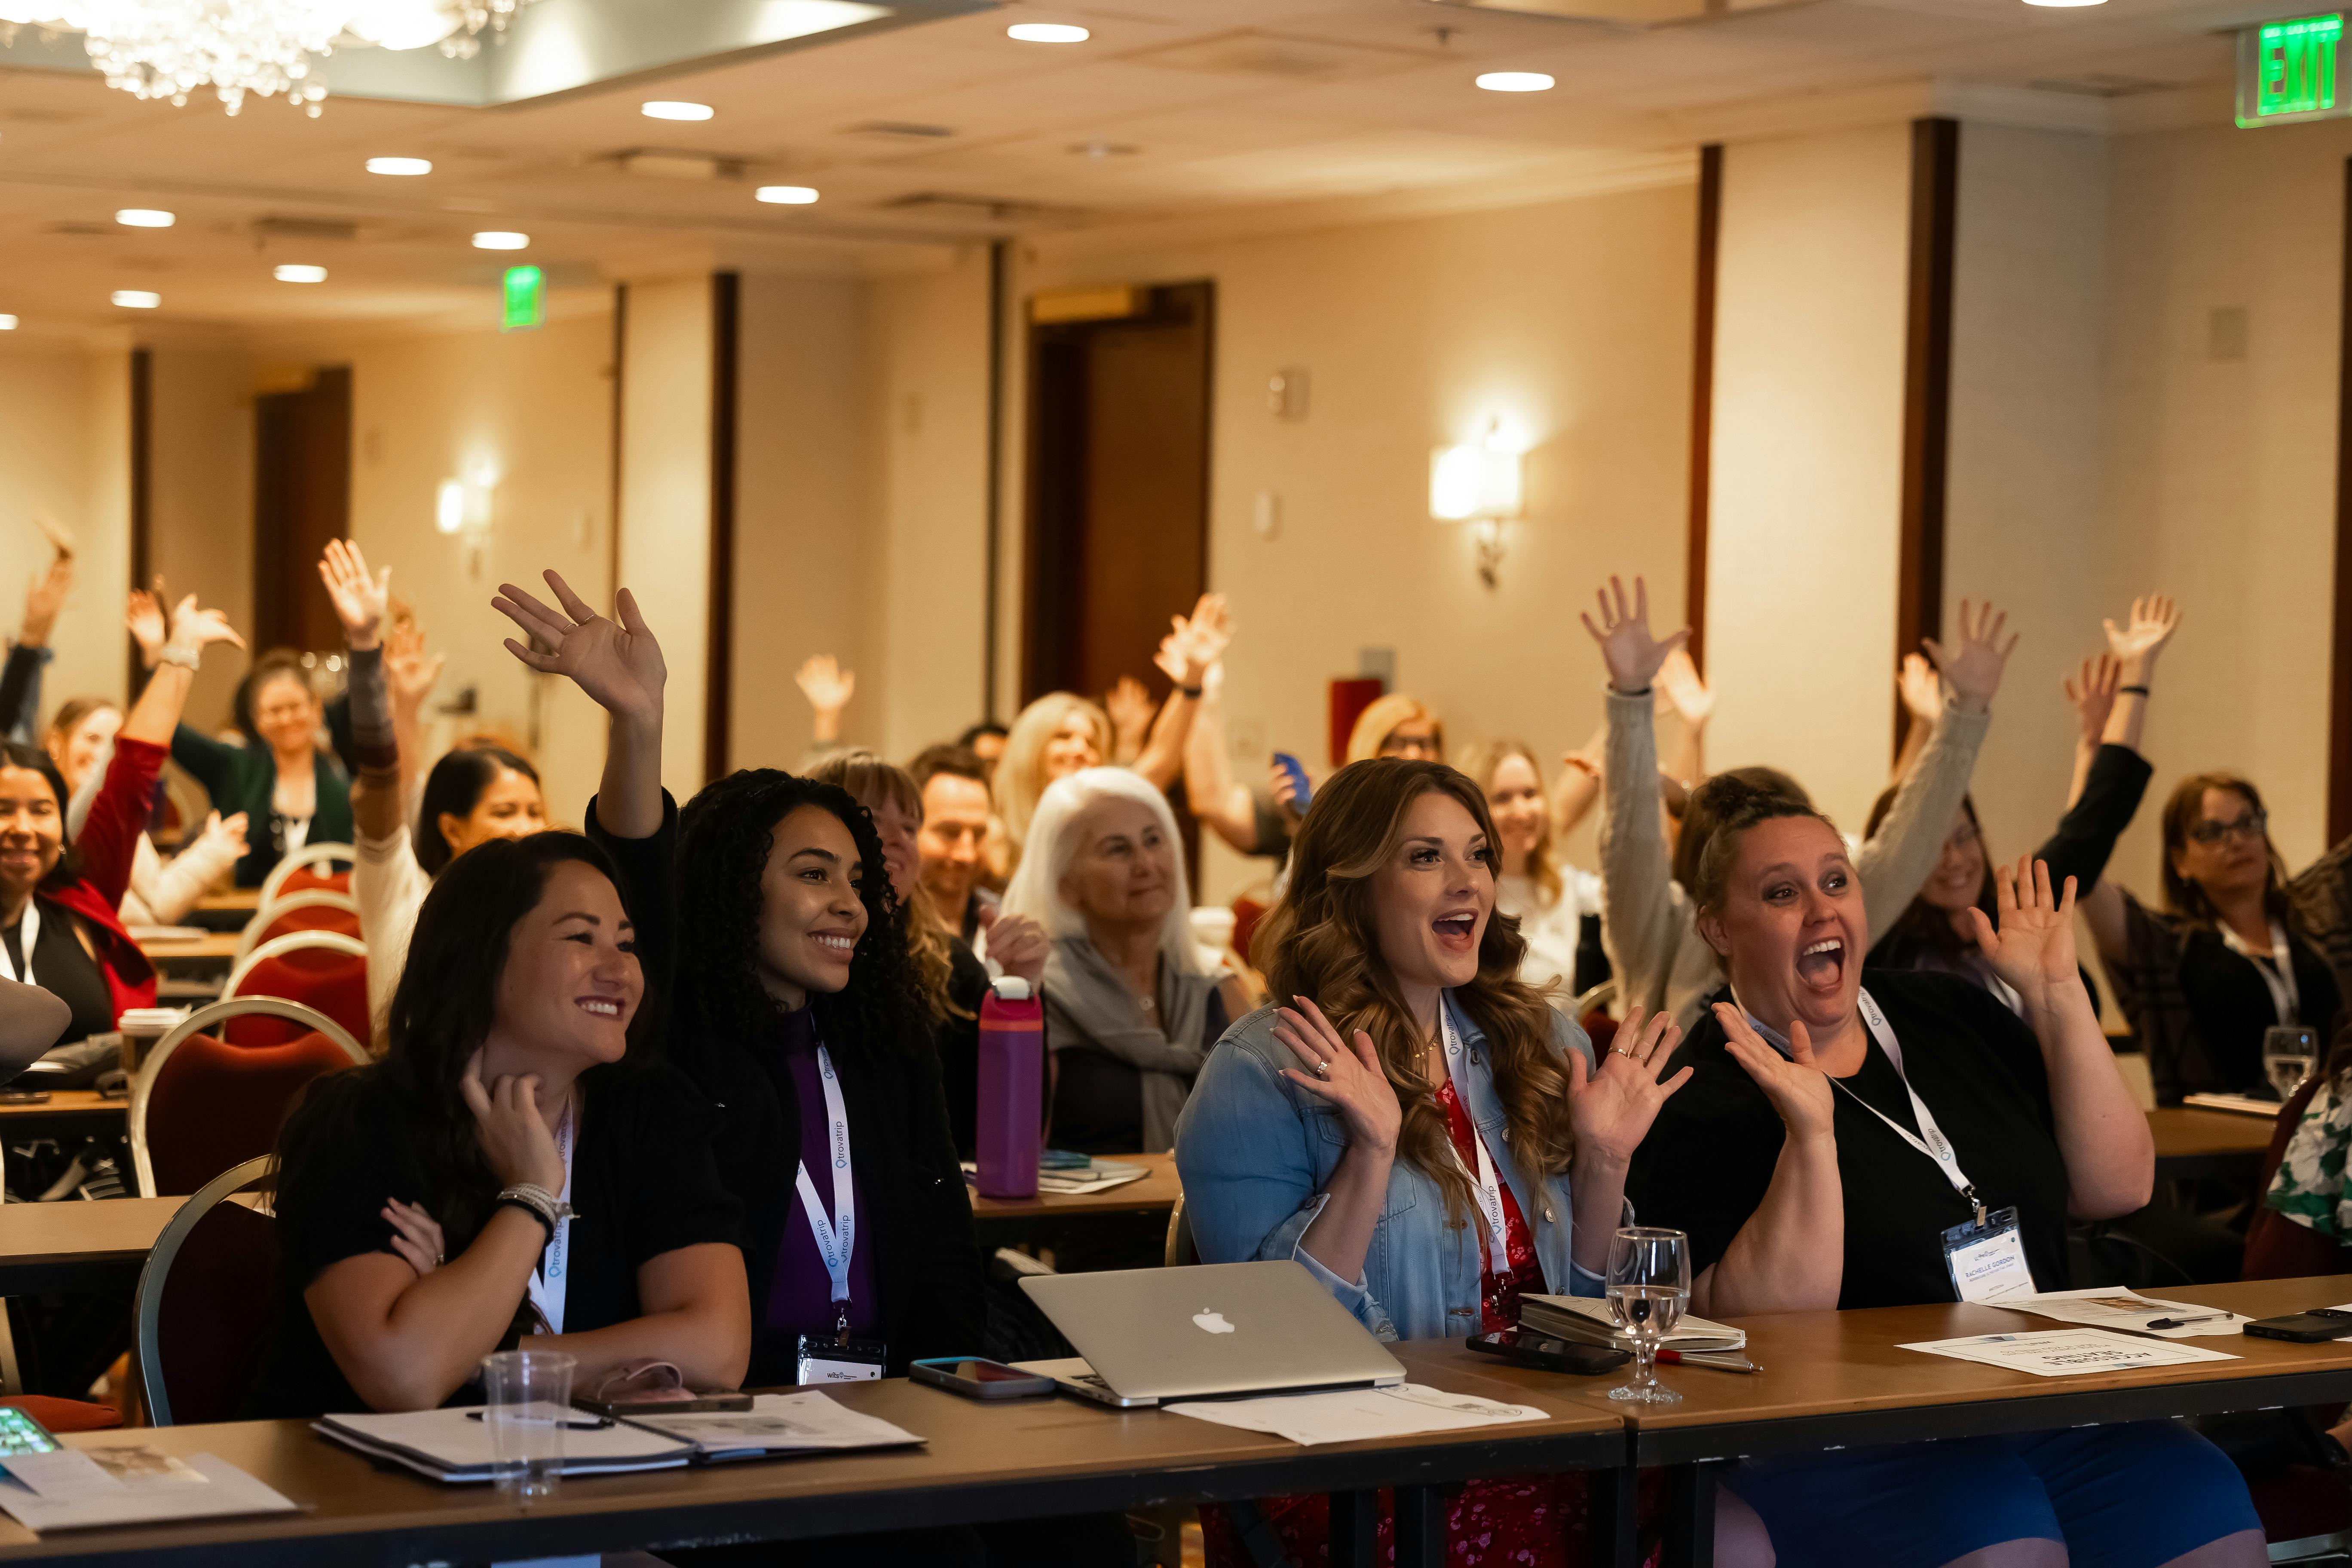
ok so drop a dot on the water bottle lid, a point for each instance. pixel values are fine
(1010, 988)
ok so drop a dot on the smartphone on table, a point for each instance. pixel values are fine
(20, 1434)
(1524, 1347)
(975, 1377)
(2303, 1328)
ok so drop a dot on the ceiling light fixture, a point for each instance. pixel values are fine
(2058, 3)
(501, 239)
(671, 109)
(292, 272)
(787, 196)
(136, 298)
(144, 218)
(7, 323)
(1047, 33)
(1515, 82)
(400, 165)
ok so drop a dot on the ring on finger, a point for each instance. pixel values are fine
(1621, 1051)
(1322, 1068)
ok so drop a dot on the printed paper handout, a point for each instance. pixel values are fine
(127, 1483)
(2128, 1310)
(1344, 1415)
(2067, 1353)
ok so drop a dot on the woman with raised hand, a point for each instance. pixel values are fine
(1414, 1126)
(1895, 1138)
(59, 890)
(1647, 912)
(520, 1171)
(1558, 906)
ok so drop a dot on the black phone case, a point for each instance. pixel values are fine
(2301, 1328)
(991, 1391)
(1574, 1359)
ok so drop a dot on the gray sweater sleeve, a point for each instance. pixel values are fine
(1894, 865)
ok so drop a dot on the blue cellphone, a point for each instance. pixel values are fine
(1298, 772)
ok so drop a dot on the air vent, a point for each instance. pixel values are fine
(304, 229)
(951, 203)
(1255, 54)
(2104, 84)
(909, 128)
(92, 229)
(663, 164)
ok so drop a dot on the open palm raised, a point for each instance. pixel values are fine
(2034, 945)
(1632, 654)
(619, 664)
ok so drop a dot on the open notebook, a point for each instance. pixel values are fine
(1584, 1319)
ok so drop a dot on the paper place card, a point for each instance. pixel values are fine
(2067, 1353)
(1345, 1415)
(2129, 1310)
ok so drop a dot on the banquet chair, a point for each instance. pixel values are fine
(200, 1105)
(320, 969)
(1591, 1011)
(313, 908)
(303, 871)
(200, 1322)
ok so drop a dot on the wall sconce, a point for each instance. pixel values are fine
(1483, 485)
(464, 508)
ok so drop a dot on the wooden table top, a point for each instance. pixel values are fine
(980, 1461)
(69, 1245)
(1158, 1191)
(64, 1103)
(246, 899)
(213, 944)
(2184, 1131)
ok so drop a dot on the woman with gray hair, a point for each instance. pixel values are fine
(1131, 1013)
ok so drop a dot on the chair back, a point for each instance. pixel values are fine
(307, 868)
(200, 1105)
(202, 1324)
(314, 909)
(1182, 1251)
(323, 970)
(1591, 1012)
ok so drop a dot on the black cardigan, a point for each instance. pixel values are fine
(929, 1270)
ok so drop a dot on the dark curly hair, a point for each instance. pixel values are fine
(725, 834)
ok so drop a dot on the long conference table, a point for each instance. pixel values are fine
(1829, 1380)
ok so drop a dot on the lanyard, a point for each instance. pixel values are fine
(836, 1238)
(1488, 1189)
(28, 935)
(2278, 972)
(551, 1281)
(1929, 1139)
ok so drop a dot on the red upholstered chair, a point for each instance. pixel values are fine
(201, 1324)
(200, 1105)
(311, 869)
(1248, 910)
(65, 1415)
(323, 970)
(1591, 1011)
(316, 909)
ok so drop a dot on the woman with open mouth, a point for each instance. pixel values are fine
(1905, 1140)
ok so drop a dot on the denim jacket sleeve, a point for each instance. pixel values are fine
(1253, 1162)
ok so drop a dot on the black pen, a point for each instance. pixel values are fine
(596, 1425)
(2184, 1322)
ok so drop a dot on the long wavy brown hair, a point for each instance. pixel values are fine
(1321, 940)
(875, 780)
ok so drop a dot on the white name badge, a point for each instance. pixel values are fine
(1988, 1261)
(825, 1360)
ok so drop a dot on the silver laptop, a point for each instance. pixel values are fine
(1218, 1329)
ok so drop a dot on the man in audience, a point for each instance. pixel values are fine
(954, 838)
(985, 740)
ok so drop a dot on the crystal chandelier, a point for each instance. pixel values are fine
(168, 49)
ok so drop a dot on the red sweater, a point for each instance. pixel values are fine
(110, 838)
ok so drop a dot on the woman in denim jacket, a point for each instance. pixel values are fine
(1420, 1130)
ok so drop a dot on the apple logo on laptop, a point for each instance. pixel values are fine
(1211, 1322)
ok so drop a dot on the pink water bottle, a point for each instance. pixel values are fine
(1012, 1086)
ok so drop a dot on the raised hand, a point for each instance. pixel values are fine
(1632, 654)
(144, 619)
(360, 600)
(409, 672)
(1798, 1090)
(415, 1238)
(229, 830)
(2090, 693)
(2154, 619)
(618, 664)
(826, 684)
(193, 628)
(1684, 690)
(2033, 948)
(1611, 1106)
(1921, 689)
(1196, 642)
(1017, 943)
(1349, 1076)
(513, 1135)
(1974, 670)
(1130, 708)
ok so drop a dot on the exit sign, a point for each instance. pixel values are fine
(526, 299)
(2286, 72)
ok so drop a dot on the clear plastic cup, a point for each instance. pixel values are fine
(530, 1408)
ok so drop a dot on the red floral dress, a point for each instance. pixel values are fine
(1501, 1521)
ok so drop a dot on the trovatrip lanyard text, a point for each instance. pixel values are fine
(836, 1236)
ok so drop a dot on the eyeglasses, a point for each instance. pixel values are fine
(2251, 825)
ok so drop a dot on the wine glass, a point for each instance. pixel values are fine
(1649, 1281)
(2288, 1053)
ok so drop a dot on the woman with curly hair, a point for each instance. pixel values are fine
(1417, 1126)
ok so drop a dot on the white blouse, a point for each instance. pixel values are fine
(1550, 925)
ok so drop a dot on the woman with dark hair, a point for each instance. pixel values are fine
(426, 1204)
(1341, 1128)
(1907, 1142)
(59, 890)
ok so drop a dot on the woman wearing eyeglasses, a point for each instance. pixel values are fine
(2237, 948)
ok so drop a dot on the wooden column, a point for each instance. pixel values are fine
(1702, 418)
(1927, 389)
(2339, 686)
(726, 299)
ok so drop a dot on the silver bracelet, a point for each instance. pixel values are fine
(549, 1207)
(181, 654)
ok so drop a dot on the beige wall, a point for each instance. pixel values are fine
(67, 415)
(1571, 322)
(1808, 459)
(200, 513)
(665, 528)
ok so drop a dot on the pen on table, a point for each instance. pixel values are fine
(1717, 1360)
(2184, 1322)
(593, 1424)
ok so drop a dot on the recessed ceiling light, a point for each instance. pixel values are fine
(400, 165)
(2065, 2)
(1047, 33)
(1515, 82)
(501, 239)
(294, 272)
(144, 218)
(788, 195)
(7, 323)
(136, 298)
(670, 108)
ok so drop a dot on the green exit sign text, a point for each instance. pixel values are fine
(526, 299)
(2286, 72)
